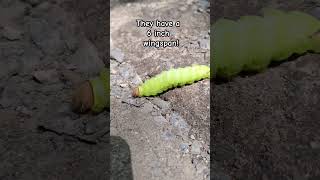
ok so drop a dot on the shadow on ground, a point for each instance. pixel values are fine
(121, 167)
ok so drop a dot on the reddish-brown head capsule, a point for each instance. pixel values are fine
(82, 99)
(135, 92)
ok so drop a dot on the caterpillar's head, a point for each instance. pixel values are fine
(135, 92)
(82, 99)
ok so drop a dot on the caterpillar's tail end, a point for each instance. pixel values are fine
(135, 92)
(82, 99)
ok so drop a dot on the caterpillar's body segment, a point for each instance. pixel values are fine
(101, 88)
(252, 42)
(172, 78)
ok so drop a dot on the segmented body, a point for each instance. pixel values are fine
(101, 88)
(172, 78)
(252, 42)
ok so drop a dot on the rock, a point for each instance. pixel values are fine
(123, 85)
(204, 44)
(184, 147)
(192, 137)
(200, 10)
(117, 54)
(46, 76)
(11, 33)
(204, 4)
(196, 148)
(87, 59)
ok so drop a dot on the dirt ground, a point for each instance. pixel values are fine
(168, 135)
(266, 126)
(46, 48)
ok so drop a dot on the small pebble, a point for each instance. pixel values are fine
(192, 137)
(123, 85)
(184, 147)
(196, 147)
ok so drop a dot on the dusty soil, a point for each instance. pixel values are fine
(47, 48)
(168, 135)
(266, 126)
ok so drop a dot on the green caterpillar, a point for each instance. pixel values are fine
(249, 44)
(253, 42)
(92, 95)
(172, 78)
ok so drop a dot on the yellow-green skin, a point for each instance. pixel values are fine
(101, 89)
(253, 42)
(248, 44)
(173, 78)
